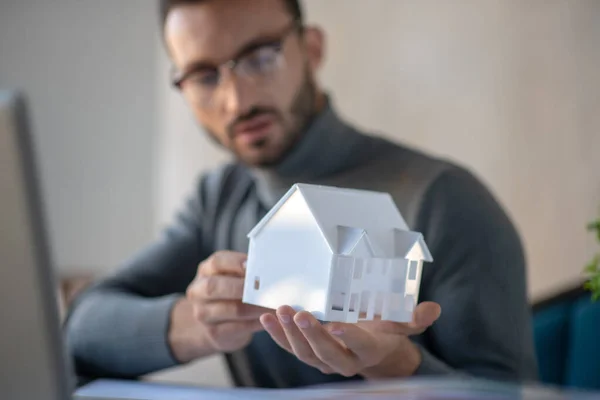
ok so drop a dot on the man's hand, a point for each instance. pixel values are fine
(373, 349)
(212, 317)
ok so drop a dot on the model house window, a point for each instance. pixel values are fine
(338, 299)
(412, 271)
(365, 297)
(256, 283)
(379, 298)
(353, 301)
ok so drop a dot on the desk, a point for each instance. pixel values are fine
(413, 389)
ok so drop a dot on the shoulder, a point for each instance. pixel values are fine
(457, 194)
(406, 173)
(462, 219)
(429, 189)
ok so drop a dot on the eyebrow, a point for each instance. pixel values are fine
(248, 47)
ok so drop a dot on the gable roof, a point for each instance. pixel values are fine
(348, 237)
(372, 212)
(411, 245)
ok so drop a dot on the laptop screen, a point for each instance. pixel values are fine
(32, 357)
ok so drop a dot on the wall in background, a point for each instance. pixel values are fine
(88, 70)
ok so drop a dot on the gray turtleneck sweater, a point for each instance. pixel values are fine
(118, 327)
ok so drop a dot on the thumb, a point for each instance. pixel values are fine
(426, 314)
(224, 263)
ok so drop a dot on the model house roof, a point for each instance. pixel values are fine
(350, 239)
(411, 245)
(347, 238)
(350, 217)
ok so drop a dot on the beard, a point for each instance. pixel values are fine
(299, 116)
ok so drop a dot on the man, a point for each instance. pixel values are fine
(248, 70)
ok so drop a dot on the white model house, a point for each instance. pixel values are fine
(341, 254)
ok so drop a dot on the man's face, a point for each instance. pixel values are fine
(259, 108)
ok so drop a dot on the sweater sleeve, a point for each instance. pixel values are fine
(118, 327)
(479, 278)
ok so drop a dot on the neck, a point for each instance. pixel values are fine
(327, 146)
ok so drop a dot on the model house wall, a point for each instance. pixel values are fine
(291, 239)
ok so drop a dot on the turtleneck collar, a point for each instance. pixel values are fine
(329, 145)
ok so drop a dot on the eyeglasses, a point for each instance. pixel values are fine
(257, 64)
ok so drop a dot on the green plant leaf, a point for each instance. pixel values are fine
(593, 286)
(594, 225)
(593, 266)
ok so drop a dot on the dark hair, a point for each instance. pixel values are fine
(293, 6)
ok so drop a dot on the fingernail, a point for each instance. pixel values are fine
(303, 323)
(244, 264)
(284, 318)
(337, 332)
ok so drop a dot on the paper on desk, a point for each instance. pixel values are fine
(413, 389)
(133, 390)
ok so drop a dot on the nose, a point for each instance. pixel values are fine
(236, 94)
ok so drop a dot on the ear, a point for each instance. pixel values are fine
(314, 43)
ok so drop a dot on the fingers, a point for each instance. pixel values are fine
(302, 335)
(424, 316)
(274, 328)
(359, 341)
(228, 310)
(325, 347)
(285, 333)
(224, 263)
(215, 287)
(298, 342)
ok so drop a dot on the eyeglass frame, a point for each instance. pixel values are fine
(178, 78)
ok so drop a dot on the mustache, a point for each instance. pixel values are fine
(254, 112)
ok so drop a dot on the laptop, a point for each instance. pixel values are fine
(33, 362)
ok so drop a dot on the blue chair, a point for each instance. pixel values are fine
(567, 340)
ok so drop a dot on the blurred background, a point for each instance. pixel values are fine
(509, 88)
